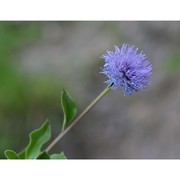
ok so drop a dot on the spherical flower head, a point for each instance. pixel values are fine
(127, 68)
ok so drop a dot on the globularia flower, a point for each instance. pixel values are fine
(127, 68)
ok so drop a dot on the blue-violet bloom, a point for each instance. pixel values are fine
(127, 68)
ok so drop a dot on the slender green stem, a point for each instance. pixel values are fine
(78, 118)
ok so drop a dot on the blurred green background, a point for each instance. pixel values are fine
(25, 100)
(38, 59)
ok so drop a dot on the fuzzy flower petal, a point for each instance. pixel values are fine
(127, 68)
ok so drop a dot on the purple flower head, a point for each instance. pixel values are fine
(127, 68)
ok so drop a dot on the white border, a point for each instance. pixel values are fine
(89, 10)
(90, 169)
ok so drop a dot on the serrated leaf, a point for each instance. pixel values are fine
(69, 108)
(37, 139)
(43, 155)
(58, 156)
(11, 154)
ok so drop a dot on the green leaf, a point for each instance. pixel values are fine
(11, 154)
(22, 154)
(37, 139)
(43, 155)
(58, 156)
(69, 108)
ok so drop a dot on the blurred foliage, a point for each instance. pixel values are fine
(172, 63)
(12, 36)
(22, 98)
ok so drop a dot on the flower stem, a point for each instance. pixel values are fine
(88, 108)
